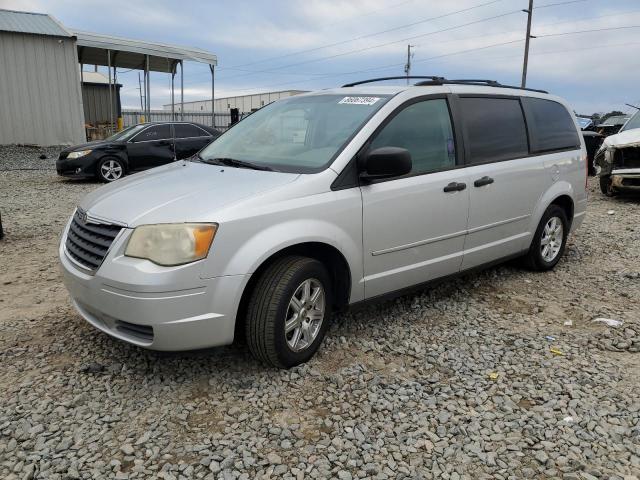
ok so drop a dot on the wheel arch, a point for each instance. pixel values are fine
(327, 254)
(561, 194)
(120, 156)
(566, 203)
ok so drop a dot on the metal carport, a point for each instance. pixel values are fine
(115, 52)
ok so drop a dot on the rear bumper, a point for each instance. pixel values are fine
(159, 315)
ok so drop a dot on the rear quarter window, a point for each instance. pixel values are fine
(550, 124)
(495, 129)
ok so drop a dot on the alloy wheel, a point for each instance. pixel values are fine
(552, 237)
(305, 314)
(111, 170)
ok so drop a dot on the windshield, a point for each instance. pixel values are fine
(299, 134)
(633, 122)
(584, 122)
(127, 133)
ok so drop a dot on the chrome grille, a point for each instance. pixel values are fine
(88, 243)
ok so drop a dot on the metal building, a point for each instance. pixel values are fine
(40, 99)
(244, 103)
(40, 75)
(95, 101)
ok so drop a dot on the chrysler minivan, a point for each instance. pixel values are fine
(321, 201)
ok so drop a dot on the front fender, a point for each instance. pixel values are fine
(241, 246)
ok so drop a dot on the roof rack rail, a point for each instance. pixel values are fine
(435, 80)
(382, 79)
(476, 81)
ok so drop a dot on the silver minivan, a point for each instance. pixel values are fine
(321, 201)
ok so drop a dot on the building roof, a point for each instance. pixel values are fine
(128, 53)
(297, 92)
(97, 78)
(31, 22)
(99, 49)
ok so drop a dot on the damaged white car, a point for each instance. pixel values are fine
(618, 159)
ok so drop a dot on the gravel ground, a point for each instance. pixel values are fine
(456, 382)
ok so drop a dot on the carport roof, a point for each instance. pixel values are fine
(93, 49)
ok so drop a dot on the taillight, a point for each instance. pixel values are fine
(585, 157)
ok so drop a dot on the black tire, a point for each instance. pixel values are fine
(269, 305)
(534, 258)
(606, 186)
(110, 161)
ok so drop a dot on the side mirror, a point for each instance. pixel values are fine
(384, 162)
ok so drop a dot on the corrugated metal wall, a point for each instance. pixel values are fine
(132, 117)
(40, 99)
(95, 101)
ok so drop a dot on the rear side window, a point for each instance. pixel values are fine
(495, 129)
(552, 127)
(184, 130)
(157, 132)
(423, 128)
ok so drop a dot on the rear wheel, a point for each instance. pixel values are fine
(110, 169)
(606, 186)
(549, 241)
(288, 311)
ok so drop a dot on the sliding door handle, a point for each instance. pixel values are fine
(455, 187)
(481, 182)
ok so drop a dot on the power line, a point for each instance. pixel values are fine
(270, 70)
(408, 25)
(361, 37)
(321, 75)
(350, 52)
(329, 75)
(558, 4)
(587, 31)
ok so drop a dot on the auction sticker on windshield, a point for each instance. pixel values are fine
(359, 100)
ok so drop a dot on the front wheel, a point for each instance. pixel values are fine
(288, 311)
(110, 169)
(549, 241)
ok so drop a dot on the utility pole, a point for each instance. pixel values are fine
(140, 89)
(526, 44)
(407, 66)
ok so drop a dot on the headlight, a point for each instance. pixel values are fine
(79, 153)
(171, 244)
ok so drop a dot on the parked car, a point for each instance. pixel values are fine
(321, 201)
(618, 159)
(612, 125)
(136, 148)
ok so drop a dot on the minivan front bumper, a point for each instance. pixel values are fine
(158, 314)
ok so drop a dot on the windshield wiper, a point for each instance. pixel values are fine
(232, 162)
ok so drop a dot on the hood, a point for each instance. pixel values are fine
(628, 138)
(88, 145)
(178, 192)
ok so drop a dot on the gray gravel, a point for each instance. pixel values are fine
(456, 382)
(14, 157)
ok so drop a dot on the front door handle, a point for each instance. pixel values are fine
(455, 187)
(481, 182)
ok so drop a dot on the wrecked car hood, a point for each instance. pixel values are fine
(628, 138)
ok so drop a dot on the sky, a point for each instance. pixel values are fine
(587, 51)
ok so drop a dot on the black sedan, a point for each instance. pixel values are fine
(135, 148)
